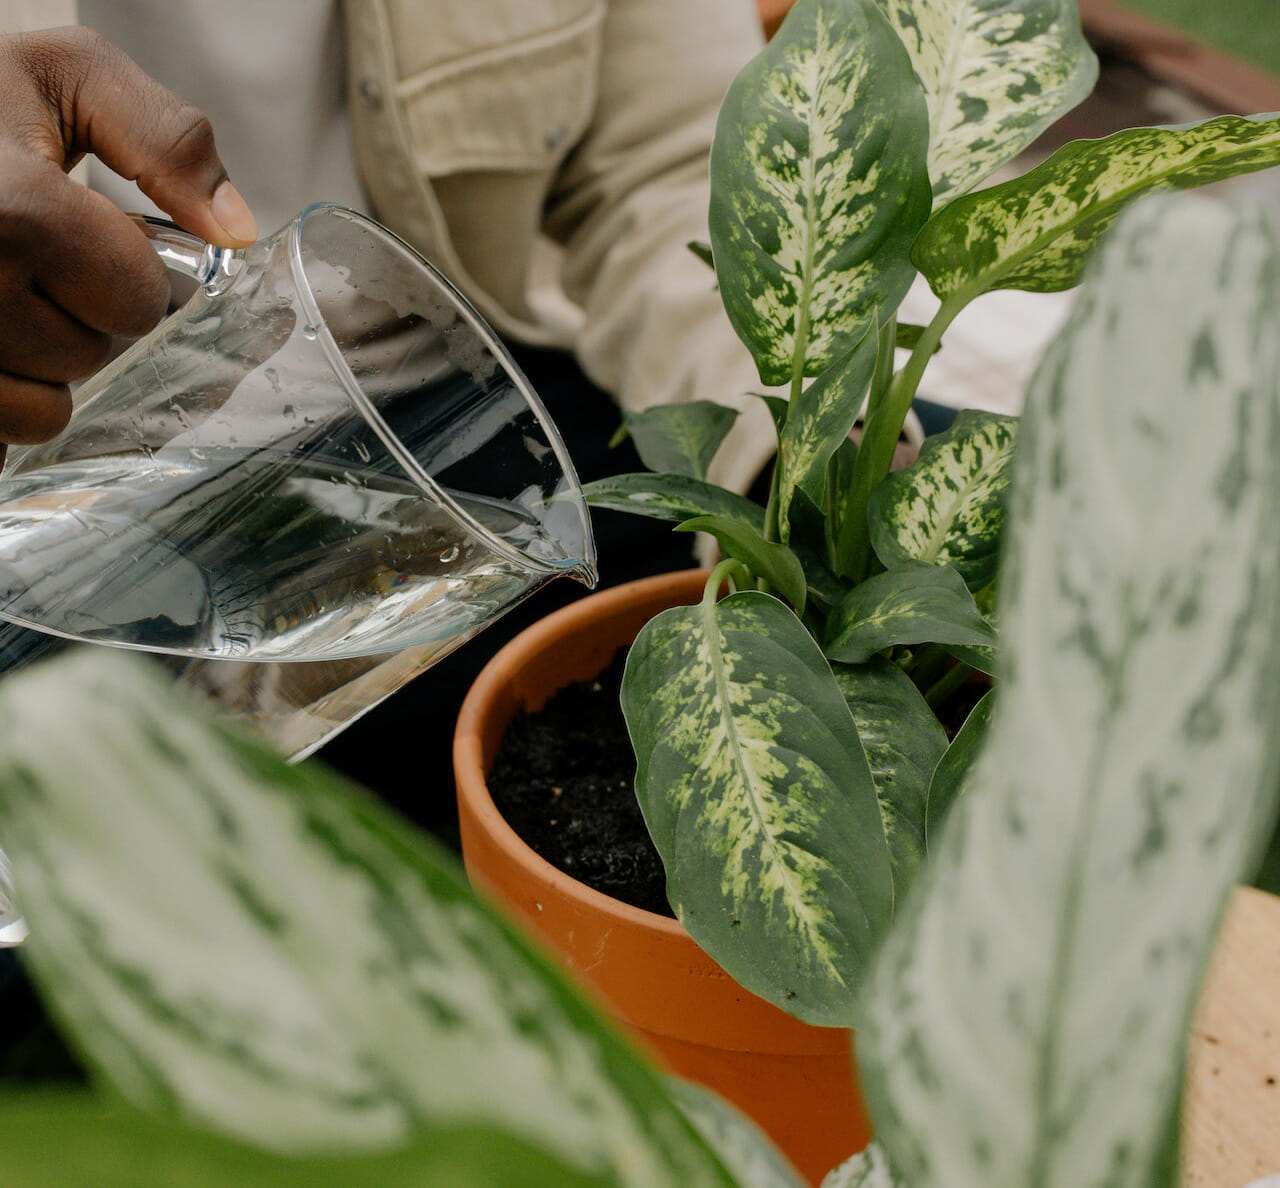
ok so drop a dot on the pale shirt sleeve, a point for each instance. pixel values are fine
(631, 197)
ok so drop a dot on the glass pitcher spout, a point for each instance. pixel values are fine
(587, 573)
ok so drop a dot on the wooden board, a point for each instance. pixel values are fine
(1231, 1127)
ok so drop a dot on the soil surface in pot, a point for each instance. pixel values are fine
(564, 780)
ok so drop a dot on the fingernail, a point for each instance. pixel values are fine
(232, 214)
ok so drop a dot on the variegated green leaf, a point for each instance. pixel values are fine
(767, 559)
(996, 73)
(701, 249)
(1027, 1023)
(947, 507)
(819, 184)
(953, 768)
(907, 334)
(917, 603)
(260, 949)
(61, 1139)
(1036, 231)
(867, 1169)
(673, 497)
(983, 658)
(742, 1146)
(679, 438)
(758, 796)
(904, 742)
(819, 419)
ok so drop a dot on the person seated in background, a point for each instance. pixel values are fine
(551, 158)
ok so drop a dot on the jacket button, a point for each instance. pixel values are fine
(556, 134)
(370, 93)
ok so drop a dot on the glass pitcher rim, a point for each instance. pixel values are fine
(402, 454)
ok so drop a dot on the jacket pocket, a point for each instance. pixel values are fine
(519, 105)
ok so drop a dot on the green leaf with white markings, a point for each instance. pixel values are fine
(917, 603)
(673, 497)
(776, 563)
(904, 741)
(742, 1146)
(1027, 1022)
(701, 249)
(759, 799)
(679, 438)
(63, 1139)
(867, 1169)
(1036, 231)
(981, 658)
(953, 768)
(947, 507)
(819, 184)
(819, 419)
(907, 334)
(995, 75)
(262, 950)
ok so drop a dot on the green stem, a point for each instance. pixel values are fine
(880, 436)
(885, 350)
(950, 683)
(730, 569)
(927, 665)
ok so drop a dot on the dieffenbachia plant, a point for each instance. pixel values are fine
(1028, 1018)
(286, 983)
(842, 163)
(279, 983)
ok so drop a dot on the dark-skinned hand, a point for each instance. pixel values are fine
(75, 270)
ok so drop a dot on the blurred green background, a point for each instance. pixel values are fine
(1248, 28)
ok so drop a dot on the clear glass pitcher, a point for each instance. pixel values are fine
(315, 479)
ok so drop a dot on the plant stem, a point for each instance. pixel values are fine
(880, 435)
(885, 349)
(927, 665)
(730, 569)
(951, 682)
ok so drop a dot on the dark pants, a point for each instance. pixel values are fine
(402, 750)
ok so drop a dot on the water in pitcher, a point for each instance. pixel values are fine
(272, 563)
(265, 563)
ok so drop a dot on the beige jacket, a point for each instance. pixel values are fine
(520, 142)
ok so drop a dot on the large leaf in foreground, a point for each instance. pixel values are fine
(916, 603)
(1036, 231)
(672, 497)
(758, 796)
(947, 507)
(1027, 1023)
(995, 76)
(680, 438)
(904, 741)
(867, 1169)
(754, 1161)
(263, 950)
(819, 418)
(60, 1139)
(818, 186)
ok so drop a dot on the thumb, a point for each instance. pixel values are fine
(110, 107)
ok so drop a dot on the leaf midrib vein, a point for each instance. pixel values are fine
(711, 631)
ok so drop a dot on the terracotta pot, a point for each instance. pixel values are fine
(795, 1080)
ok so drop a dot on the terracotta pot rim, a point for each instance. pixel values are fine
(468, 761)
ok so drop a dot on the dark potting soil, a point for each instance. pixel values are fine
(564, 779)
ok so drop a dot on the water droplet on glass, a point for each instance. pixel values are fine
(450, 554)
(362, 450)
(308, 331)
